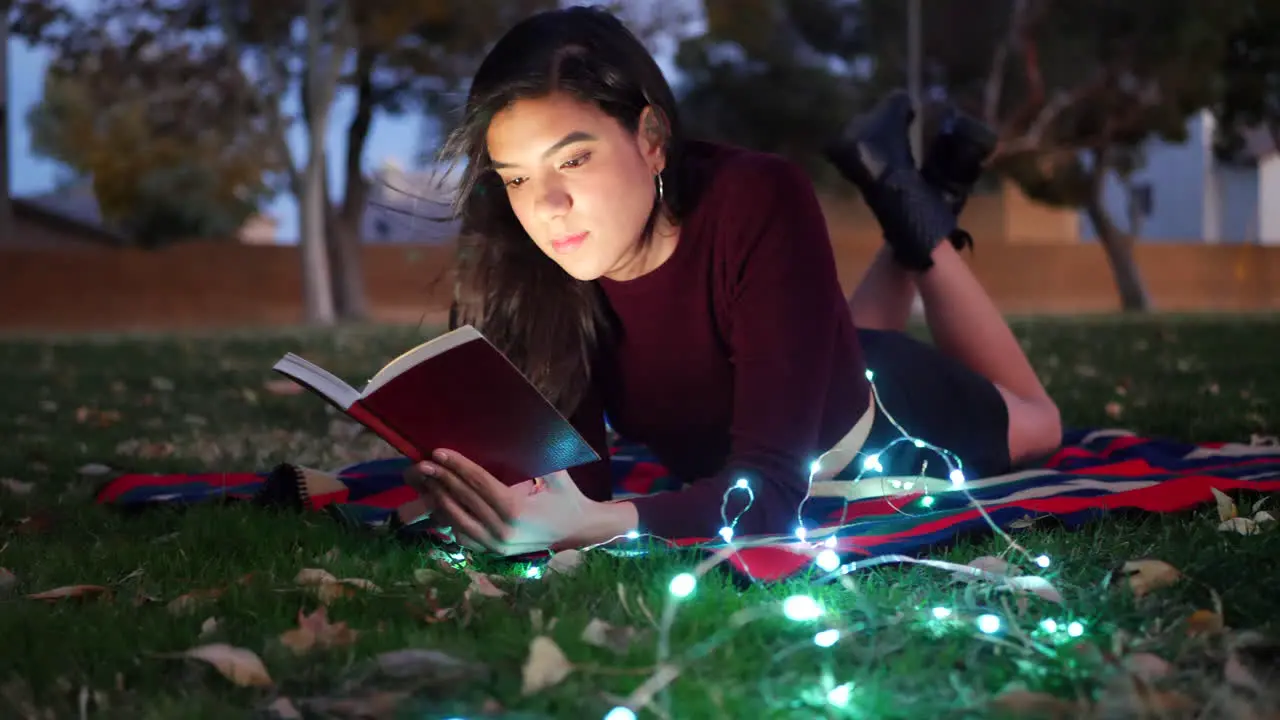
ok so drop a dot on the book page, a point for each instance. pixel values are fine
(333, 388)
(429, 349)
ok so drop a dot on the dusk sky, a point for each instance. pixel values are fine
(397, 139)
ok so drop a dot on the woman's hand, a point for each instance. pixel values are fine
(549, 512)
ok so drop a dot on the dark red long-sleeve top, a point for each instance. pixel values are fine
(736, 358)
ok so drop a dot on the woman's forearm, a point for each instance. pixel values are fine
(607, 521)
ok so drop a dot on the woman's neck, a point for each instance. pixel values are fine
(651, 254)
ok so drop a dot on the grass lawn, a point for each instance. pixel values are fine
(196, 403)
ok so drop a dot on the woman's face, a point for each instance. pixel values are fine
(580, 183)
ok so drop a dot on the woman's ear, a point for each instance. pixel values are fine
(653, 135)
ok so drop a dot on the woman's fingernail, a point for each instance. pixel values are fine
(440, 456)
(427, 468)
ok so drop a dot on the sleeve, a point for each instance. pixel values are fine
(595, 479)
(787, 314)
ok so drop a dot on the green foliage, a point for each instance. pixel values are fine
(1064, 81)
(755, 79)
(182, 202)
(169, 131)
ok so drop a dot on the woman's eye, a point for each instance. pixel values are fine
(515, 182)
(577, 162)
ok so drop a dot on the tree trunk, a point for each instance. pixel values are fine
(345, 241)
(7, 228)
(1119, 248)
(317, 292)
(313, 203)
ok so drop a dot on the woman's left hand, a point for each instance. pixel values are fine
(528, 517)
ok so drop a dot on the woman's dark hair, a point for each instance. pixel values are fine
(548, 323)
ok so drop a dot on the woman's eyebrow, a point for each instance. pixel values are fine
(576, 136)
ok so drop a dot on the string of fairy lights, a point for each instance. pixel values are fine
(802, 608)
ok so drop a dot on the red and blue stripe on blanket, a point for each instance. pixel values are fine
(1095, 471)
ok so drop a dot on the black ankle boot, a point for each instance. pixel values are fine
(954, 160)
(874, 153)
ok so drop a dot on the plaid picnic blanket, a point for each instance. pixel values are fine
(1095, 471)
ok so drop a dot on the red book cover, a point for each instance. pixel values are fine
(456, 391)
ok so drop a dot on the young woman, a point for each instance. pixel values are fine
(688, 290)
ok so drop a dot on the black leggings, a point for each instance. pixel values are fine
(937, 399)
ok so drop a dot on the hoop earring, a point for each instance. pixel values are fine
(660, 195)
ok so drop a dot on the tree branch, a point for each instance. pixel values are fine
(270, 99)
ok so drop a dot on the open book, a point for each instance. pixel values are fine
(456, 391)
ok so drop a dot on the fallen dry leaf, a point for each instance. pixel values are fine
(1024, 703)
(284, 709)
(1204, 622)
(189, 602)
(315, 631)
(17, 487)
(565, 561)
(986, 563)
(1241, 525)
(1226, 506)
(545, 667)
(329, 588)
(610, 637)
(282, 387)
(483, 584)
(240, 666)
(68, 592)
(1148, 575)
(314, 576)
(93, 469)
(1147, 666)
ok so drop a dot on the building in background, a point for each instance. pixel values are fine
(1184, 192)
(69, 216)
(409, 206)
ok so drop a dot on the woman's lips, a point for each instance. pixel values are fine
(568, 243)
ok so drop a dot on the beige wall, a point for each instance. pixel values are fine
(35, 232)
(209, 285)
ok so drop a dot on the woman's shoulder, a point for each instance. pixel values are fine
(730, 170)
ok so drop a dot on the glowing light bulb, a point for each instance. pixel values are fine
(801, 608)
(826, 638)
(533, 571)
(620, 713)
(828, 560)
(872, 463)
(683, 584)
(989, 623)
(839, 695)
(814, 467)
(1075, 629)
(1043, 561)
(741, 484)
(927, 501)
(801, 533)
(870, 375)
(957, 477)
(633, 534)
(942, 613)
(830, 541)
(918, 443)
(1049, 625)
(726, 533)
